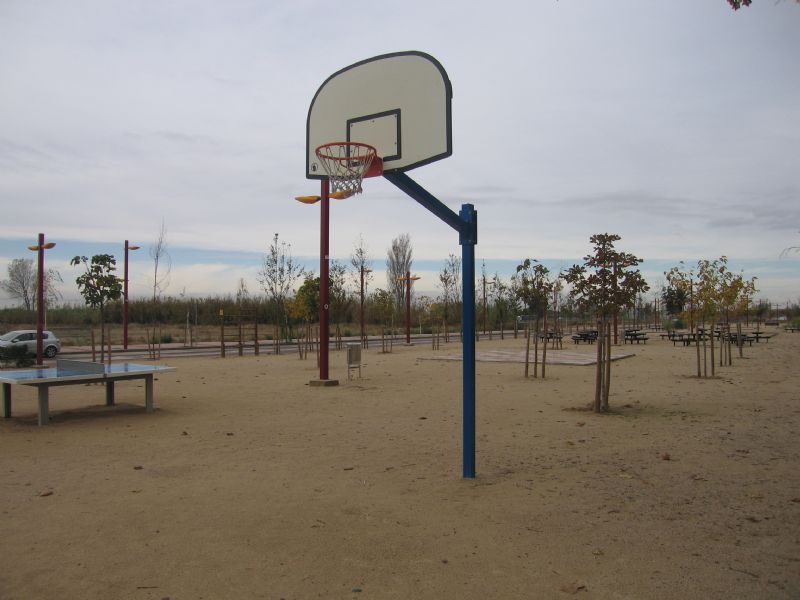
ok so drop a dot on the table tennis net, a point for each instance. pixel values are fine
(64, 365)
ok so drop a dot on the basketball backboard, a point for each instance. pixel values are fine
(399, 103)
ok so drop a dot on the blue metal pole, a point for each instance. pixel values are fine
(468, 239)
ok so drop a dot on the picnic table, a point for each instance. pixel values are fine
(761, 335)
(588, 336)
(635, 335)
(740, 340)
(791, 329)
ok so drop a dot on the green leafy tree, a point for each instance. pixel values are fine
(98, 285)
(504, 301)
(605, 283)
(383, 306)
(306, 302)
(674, 299)
(534, 289)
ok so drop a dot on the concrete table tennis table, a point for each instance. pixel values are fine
(74, 372)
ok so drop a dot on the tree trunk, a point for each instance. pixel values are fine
(598, 387)
(607, 379)
(102, 335)
(544, 350)
(527, 348)
(536, 349)
(713, 358)
(697, 346)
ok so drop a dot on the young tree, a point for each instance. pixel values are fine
(161, 260)
(450, 282)
(383, 305)
(98, 285)
(306, 302)
(339, 300)
(277, 277)
(398, 262)
(674, 299)
(362, 265)
(22, 281)
(605, 283)
(504, 299)
(360, 260)
(534, 289)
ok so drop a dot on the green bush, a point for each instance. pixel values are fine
(15, 356)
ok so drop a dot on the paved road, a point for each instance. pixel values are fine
(139, 351)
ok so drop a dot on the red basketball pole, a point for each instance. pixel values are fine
(323, 280)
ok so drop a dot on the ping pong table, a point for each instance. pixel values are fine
(75, 372)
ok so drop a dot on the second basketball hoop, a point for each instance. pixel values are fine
(347, 163)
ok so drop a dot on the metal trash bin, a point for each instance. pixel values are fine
(353, 359)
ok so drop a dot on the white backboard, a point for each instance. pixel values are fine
(399, 103)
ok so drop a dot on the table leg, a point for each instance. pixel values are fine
(148, 393)
(7, 400)
(44, 404)
(109, 393)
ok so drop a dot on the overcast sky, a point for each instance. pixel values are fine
(674, 124)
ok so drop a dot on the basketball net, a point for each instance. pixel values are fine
(347, 163)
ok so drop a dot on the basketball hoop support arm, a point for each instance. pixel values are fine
(466, 224)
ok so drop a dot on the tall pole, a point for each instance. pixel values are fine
(467, 240)
(483, 276)
(363, 338)
(323, 279)
(408, 279)
(40, 303)
(408, 307)
(125, 297)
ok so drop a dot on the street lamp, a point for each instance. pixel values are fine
(125, 297)
(408, 279)
(40, 248)
(364, 270)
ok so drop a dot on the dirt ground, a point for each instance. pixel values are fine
(248, 483)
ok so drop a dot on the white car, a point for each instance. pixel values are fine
(27, 337)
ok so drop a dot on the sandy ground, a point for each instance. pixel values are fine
(248, 483)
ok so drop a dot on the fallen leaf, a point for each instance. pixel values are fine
(665, 456)
(46, 493)
(573, 588)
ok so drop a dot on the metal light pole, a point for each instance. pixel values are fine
(364, 270)
(408, 279)
(40, 248)
(125, 297)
